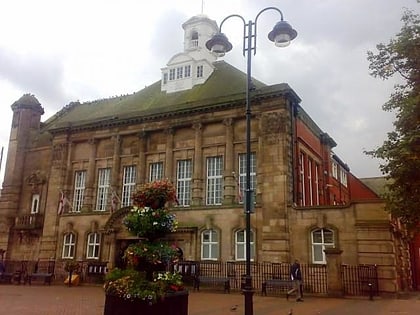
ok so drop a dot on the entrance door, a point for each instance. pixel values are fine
(121, 246)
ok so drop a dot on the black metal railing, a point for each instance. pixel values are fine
(315, 276)
(360, 280)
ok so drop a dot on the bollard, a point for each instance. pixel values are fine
(370, 291)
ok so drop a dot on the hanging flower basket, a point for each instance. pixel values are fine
(155, 194)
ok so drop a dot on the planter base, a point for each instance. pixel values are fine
(173, 304)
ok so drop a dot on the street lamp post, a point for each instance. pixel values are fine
(281, 35)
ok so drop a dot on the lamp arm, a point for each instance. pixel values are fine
(255, 23)
(228, 17)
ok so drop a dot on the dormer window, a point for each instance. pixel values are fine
(179, 72)
(187, 71)
(200, 71)
(171, 74)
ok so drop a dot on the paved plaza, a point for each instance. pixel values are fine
(89, 300)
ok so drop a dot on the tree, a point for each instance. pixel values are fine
(400, 153)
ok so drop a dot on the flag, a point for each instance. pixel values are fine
(61, 203)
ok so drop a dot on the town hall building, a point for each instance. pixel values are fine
(69, 178)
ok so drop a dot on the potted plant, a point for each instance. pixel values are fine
(71, 267)
(146, 286)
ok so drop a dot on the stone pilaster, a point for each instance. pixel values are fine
(88, 203)
(141, 167)
(229, 180)
(335, 283)
(169, 167)
(197, 184)
(116, 163)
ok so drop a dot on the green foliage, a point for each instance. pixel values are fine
(156, 252)
(150, 223)
(400, 153)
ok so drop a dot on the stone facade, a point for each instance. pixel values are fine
(45, 159)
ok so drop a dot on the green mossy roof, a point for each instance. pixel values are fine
(226, 85)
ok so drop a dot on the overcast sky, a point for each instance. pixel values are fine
(63, 51)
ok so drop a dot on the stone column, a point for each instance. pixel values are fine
(169, 168)
(141, 167)
(88, 203)
(197, 181)
(229, 180)
(335, 283)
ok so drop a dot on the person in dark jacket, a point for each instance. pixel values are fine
(296, 276)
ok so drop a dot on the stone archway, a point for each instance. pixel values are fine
(118, 237)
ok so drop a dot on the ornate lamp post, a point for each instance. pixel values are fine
(281, 35)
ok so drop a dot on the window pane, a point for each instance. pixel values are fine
(328, 237)
(317, 236)
(318, 253)
(241, 236)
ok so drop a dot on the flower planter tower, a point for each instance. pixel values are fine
(146, 287)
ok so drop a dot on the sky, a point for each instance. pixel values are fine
(83, 50)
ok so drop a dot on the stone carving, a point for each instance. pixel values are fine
(36, 179)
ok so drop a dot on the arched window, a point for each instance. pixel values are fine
(69, 244)
(209, 245)
(93, 244)
(35, 203)
(240, 245)
(321, 239)
(194, 35)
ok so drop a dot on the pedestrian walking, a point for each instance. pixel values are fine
(296, 276)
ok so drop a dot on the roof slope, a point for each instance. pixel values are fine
(226, 84)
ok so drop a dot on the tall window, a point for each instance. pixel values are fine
(129, 185)
(310, 183)
(103, 188)
(321, 239)
(171, 74)
(240, 245)
(199, 71)
(92, 248)
(165, 78)
(302, 179)
(187, 71)
(242, 173)
(214, 180)
(69, 243)
(79, 190)
(183, 182)
(35, 203)
(179, 72)
(155, 171)
(209, 245)
(317, 184)
(334, 170)
(343, 177)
